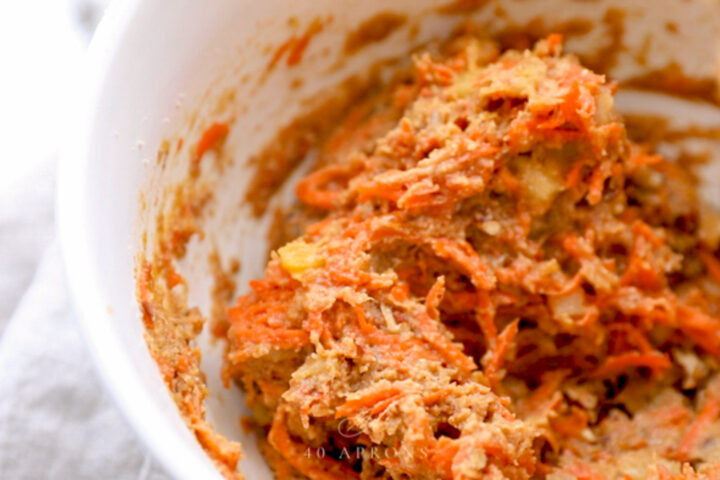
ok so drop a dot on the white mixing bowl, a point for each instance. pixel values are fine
(161, 69)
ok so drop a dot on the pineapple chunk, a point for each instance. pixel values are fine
(542, 182)
(298, 256)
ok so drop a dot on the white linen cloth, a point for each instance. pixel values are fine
(56, 421)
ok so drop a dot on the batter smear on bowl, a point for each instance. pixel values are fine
(492, 282)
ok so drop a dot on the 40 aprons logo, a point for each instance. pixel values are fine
(346, 430)
(354, 453)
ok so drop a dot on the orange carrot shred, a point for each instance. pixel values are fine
(363, 323)
(298, 47)
(616, 364)
(571, 424)
(554, 41)
(504, 341)
(369, 400)
(712, 264)
(310, 189)
(429, 331)
(437, 241)
(211, 138)
(707, 415)
(311, 466)
(573, 176)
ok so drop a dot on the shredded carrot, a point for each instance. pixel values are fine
(712, 264)
(313, 467)
(367, 401)
(573, 176)
(616, 364)
(383, 405)
(635, 335)
(550, 385)
(643, 230)
(441, 456)
(484, 315)
(430, 332)
(298, 48)
(434, 297)
(465, 256)
(583, 472)
(437, 397)
(310, 189)
(700, 327)
(554, 42)
(640, 157)
(577, 246)
(280, 51)
(640, 270)
(365, 325)
(295, 46)
(432, 261)
(210, 139)
(511, 183)
(505, 339)
(705, 417)
(174, 278)
(675, 415)
(400, 292)
(571, 424)
(596, 185)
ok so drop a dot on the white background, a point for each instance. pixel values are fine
(42, 43)
(42, 48)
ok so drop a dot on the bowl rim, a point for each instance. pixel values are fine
(86, 296)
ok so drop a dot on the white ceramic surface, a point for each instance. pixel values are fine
(154, 61)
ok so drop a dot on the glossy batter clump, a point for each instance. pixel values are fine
(492, 281)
